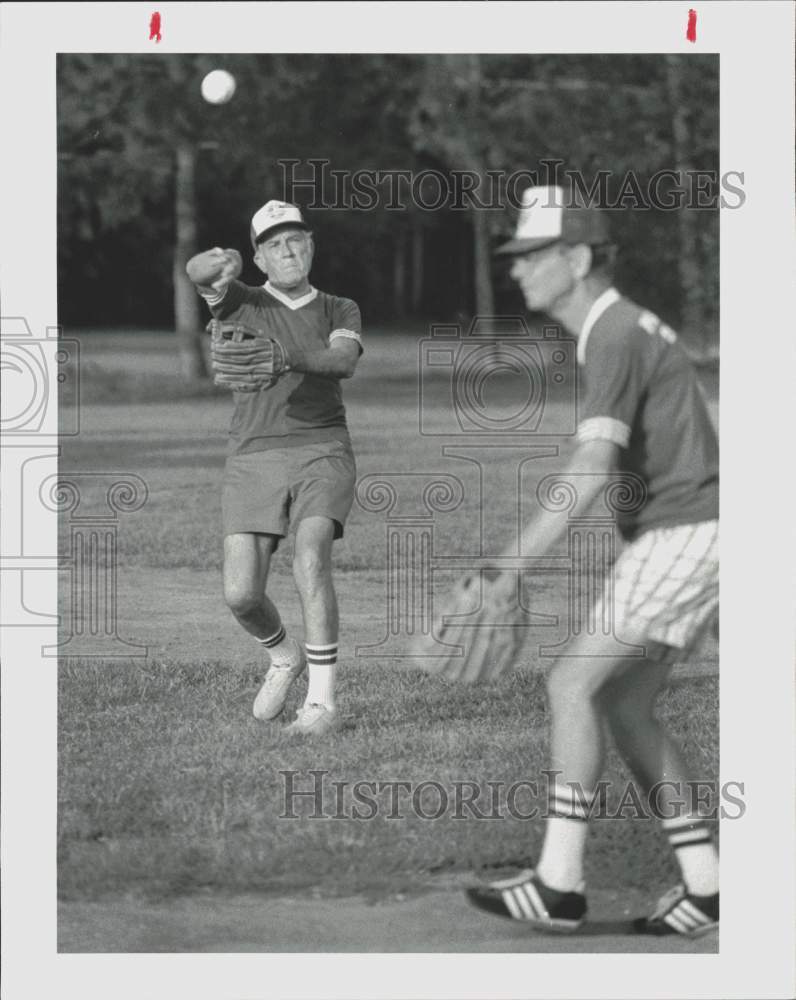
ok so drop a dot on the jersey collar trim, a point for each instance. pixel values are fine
(287, 301)
(607, 299)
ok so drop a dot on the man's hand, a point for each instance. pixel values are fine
(214, 268)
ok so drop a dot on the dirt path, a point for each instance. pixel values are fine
(180, 613)
(439, 921)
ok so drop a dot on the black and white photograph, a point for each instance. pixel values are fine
(381, 384)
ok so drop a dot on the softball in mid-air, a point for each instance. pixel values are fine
(218, 86)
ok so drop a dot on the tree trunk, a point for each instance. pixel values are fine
(482, 260)
(693, 313)
(399, 273)
(187, 317)
(482, 263)
(417, 264)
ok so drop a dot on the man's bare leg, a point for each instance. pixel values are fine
(653, 756)
(577, 745)
(247, 559)
(312, 571)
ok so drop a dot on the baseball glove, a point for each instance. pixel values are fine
(485, 640)
(245, 359)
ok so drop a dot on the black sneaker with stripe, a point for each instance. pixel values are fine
(526, 898)
(681, 912)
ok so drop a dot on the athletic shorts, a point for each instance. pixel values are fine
(269, 492)
(666, 584)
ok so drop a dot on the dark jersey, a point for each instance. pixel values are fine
(640, 390)
(300, 408)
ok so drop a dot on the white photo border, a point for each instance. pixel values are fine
(755, 43)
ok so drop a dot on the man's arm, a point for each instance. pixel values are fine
(338, 360)
(596, 459)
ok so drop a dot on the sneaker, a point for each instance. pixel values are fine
(525, 897)
(314, 720)
(681, 912)
(272, 695)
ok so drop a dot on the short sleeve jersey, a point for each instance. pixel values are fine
(640, 390)
(300, 408)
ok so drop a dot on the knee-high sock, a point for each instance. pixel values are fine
(561, 863)
(322, 667)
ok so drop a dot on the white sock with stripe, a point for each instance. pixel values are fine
(322, 666)
(281, 648)
(561, 861)
(695, 852)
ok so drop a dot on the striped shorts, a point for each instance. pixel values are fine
(666, 584)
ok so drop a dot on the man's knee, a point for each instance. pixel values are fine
(312, 570)
(242, 599)
(312, 562)
(626, 708)
(576, 680)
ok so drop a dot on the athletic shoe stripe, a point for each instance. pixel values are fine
(684, 916)
(673, 920)
(509, 883)
(511, 906)
(687, 907)
(536, 901)
(522, 902)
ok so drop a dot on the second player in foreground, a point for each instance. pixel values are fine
(283, 348)
(641, 415)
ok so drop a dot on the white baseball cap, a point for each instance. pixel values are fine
(546, 216)
(275, 214)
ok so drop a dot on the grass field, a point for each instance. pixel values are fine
(168, 786)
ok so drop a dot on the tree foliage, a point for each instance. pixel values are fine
(121, 119)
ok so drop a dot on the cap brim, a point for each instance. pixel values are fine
(514, 247)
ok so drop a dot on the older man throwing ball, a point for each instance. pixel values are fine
(283, 348)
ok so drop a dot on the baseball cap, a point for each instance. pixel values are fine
(272, 215)
(547, 215)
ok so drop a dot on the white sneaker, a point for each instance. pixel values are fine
(272, 695)
(315, 720)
